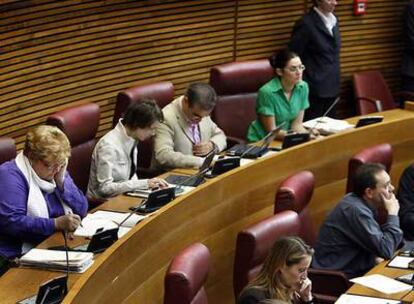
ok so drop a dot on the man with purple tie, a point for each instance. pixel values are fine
(187, 133)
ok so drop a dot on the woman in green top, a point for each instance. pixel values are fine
(283, 99)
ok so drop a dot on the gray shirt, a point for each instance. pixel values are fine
(350, 238)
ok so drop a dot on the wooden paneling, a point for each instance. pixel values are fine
(54, 54)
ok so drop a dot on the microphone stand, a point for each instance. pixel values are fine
(319, 120)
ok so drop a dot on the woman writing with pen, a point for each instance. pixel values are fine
(283, 99)
(283, 277)
(38, 196)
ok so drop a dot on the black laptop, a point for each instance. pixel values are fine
(197, 179)
(250, 151)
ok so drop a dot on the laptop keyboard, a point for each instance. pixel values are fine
(239, 149)
(181, 180)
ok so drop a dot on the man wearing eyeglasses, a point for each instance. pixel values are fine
(188, 133)
(316, 39)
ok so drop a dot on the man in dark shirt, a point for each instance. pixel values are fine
(350, 239)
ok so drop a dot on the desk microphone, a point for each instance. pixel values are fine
(320, 119)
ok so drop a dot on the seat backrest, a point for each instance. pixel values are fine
(186, 276)
(80, 124)
(375, 154)
(7, 149)
(372, 85)
(295, 193)
(162, 93)
(254, 243)
(236, 85)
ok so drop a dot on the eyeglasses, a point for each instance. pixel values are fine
(293, 69)
(52, 166)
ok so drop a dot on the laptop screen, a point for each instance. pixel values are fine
(207, 161)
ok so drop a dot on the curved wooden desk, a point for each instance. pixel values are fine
(132, 270)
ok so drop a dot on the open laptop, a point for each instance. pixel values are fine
(185, 180)
(252, 151)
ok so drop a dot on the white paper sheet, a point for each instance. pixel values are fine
(382, 283)
(400, 262)
(355, 299)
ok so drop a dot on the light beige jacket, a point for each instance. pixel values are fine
(173, 144)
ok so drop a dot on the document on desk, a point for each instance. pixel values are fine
(56, 260)
(355, 299)
(400, 262)
(326, 125)
(382, 283)
(105, 220)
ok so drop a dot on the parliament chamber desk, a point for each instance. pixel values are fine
(132, 270)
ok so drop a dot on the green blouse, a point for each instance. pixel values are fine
(271, 101)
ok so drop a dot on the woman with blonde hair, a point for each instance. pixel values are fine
(38, 197)
(283, 277)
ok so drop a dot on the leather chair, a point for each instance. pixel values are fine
(254, 243)
(376, 154)
(373, 94)
(186, 276)
(163, 93)
(295, 193)
(236, 85)
(7, 149)
(80, 124)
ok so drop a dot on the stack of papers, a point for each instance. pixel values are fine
(56, 260)
(104, 220)
(327, 125)
(354, 299)
(382, 283)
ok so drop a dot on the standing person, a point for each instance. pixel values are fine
(407, 67)
(114, 159)
(282, 99)
(38, 196)
(351, 240)
(283, 277)
(187, 133)
(316, 39)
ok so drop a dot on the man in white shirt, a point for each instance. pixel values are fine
(114, 159)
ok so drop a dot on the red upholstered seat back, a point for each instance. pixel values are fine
(80, 124)
(371, 84)
(163, 93)
(7, 149)
(295, 193)
(254, 243)
(376, 154)
(186, 276)
(236, 85)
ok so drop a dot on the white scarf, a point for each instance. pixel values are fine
(36, 203)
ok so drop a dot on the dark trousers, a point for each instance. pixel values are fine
(318, 107)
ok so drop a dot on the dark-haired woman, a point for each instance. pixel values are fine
(283, 277)
(114, 159)
(283, 99)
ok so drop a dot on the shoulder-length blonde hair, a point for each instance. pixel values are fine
(46, 143)
(285, 251)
